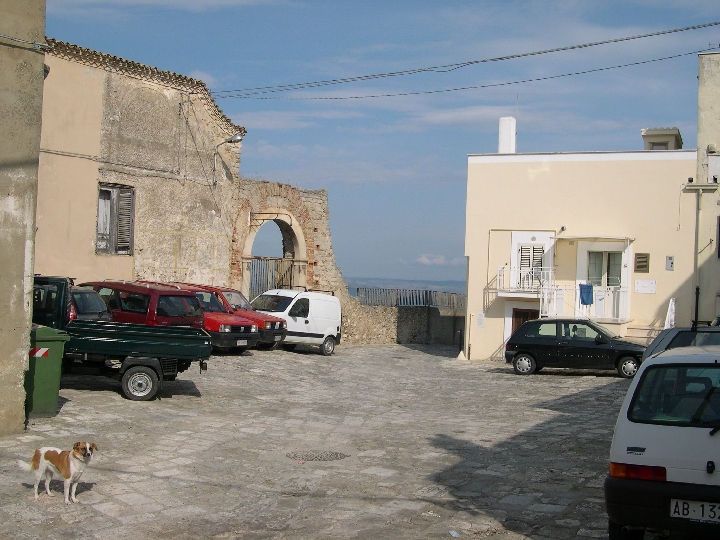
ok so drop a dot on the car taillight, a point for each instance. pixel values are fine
(73, 312)
(507, 346)
(638, 472)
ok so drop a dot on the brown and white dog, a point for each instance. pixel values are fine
(69, 464)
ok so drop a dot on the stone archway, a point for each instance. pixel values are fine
(290, 270)
(302, 217)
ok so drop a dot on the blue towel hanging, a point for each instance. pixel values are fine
(586, 294)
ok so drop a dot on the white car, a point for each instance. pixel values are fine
(312, 317)
(666, 448)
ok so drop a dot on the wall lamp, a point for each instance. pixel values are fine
(238, 137)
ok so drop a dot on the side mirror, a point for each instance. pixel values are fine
(601, 339)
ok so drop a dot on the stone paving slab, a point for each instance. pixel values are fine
(434, 445)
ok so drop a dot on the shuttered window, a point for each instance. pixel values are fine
(115, 219)
(531, 256)
(642, 263)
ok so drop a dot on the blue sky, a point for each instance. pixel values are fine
(395, 167)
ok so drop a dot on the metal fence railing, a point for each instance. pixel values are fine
(410, 298)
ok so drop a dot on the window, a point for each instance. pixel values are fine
(115, 219)
(578, 331)
(301, 308)
(642, 263)
(659, 146)
(539, 329)
(178, 306)
(678, 395)
(604, 268)
(530, 259)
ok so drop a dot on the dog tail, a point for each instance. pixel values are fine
(33, 465)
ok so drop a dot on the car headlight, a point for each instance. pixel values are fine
(254, 328)
(225, 328)
(268, 325)
(284, 324)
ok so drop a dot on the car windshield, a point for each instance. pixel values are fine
(178, 306)
(683, 395)
(271, 302)
(210, 302)
(605, 331)
(236, 300)
(88, 301)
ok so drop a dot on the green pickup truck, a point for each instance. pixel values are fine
(141, 357)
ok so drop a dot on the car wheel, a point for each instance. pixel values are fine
(615, 532)
(524, 364)
(627, 367)
(328, 346)
(290, 347)
(140, 383)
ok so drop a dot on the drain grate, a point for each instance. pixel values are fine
(316, 456)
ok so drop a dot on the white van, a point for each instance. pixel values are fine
(312, 317)
(665, 453)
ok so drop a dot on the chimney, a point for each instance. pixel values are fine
(506, 140)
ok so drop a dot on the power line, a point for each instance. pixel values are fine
(476, 87)
(443, 68)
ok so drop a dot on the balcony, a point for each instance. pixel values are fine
(523, 282)
(610, 304)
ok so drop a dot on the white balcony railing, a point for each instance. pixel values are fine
(514, 279)
(609, 303)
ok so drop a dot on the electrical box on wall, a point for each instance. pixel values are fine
(670, 262)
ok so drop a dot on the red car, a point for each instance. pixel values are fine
(227, 330)
(145, 303)
(272, 329)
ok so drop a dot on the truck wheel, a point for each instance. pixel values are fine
(140, 383)
(328, 346)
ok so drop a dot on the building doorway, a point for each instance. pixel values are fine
(520, 316)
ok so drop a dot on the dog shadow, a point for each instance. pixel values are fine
(57, 488)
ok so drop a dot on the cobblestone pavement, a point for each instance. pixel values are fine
(436, 448)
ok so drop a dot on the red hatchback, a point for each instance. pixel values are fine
(228, 331)
(272, 329)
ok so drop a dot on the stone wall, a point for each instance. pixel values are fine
(21, 88)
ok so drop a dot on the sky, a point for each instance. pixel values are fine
(395, 167)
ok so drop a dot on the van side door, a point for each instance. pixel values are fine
(299, 322)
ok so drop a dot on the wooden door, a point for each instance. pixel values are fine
(520, 316)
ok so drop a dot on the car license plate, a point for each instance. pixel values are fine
(241, 342)
(278, 338)
(695, 510)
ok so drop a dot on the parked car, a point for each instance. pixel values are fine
(145, 303)
(671, 338)
(570, 343)
(664, 454)
(272, 329)
(312, 317)
(141, 357)
(227, 330)
(79, 303)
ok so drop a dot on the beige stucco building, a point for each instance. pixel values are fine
(539, 225)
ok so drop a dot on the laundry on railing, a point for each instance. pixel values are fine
(586, 294)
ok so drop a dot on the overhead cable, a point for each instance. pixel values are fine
(476, 87)
(443, 68)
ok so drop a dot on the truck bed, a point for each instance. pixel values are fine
(124, 339)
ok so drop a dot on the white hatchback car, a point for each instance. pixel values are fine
(666, 448)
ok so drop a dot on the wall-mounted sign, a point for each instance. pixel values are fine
(645, 286)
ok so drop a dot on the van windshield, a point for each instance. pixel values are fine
(683, 395)
(271, 302)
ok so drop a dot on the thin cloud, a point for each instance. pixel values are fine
(204, 76)
(427, 259)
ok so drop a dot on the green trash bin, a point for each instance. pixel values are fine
(42, 379)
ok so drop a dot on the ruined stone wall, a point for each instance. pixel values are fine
(162, 141)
